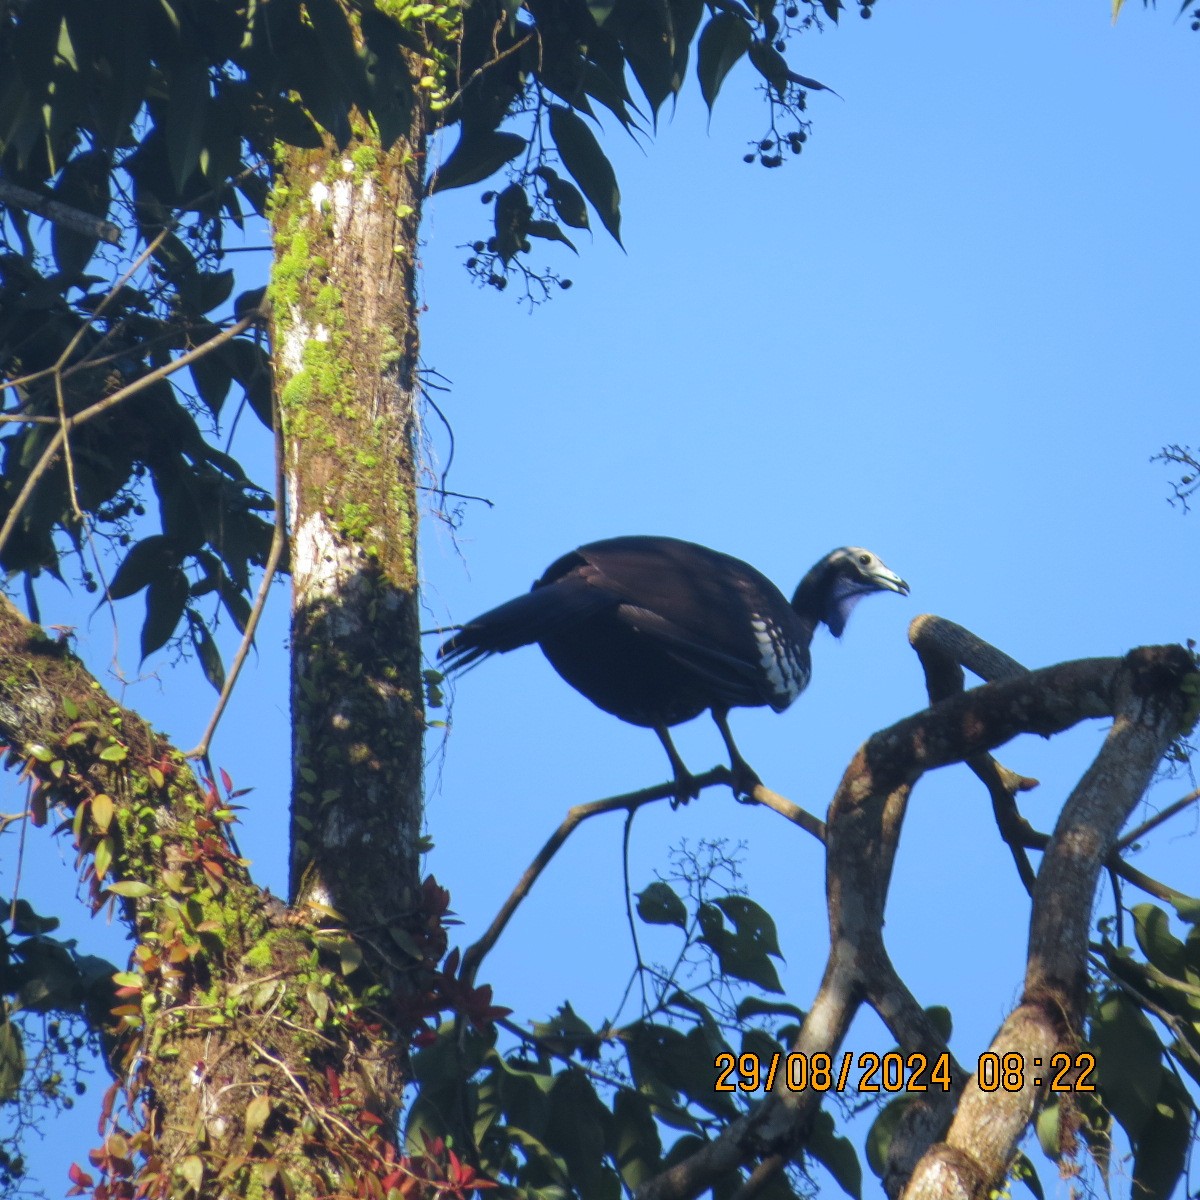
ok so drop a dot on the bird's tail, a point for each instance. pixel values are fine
(538, 614)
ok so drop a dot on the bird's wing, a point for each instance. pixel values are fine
(543, 612)
(733, 680)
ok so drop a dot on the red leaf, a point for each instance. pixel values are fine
(80, 1177)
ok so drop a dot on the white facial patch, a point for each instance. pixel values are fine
(846, 594)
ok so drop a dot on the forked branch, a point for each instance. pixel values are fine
(1143, 693)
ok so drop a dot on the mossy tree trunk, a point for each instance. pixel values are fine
(253, 1051)
(346, 360)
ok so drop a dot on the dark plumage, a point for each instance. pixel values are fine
(655, 630)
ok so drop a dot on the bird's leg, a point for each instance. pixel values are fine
(745, 778)
(685, 782)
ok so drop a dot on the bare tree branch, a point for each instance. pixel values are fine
(628, 802)
(59, 213)
(987, 1127)
(863, 829)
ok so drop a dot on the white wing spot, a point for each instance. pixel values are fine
(784, 673)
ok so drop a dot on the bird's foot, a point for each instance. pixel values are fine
(743, 779)
(686, 788)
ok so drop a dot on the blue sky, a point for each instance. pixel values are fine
(953, 331)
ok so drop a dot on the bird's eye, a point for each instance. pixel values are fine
(865, 559)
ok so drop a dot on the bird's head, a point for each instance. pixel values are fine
(835, 585)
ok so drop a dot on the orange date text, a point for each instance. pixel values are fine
(894, 1072)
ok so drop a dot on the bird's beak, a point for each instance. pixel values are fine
(889, 581)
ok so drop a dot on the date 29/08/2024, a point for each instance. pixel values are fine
(895, 1073)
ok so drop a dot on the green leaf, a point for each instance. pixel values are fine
(389, 80)
(752, 921)
(566, 1032)
(883, 1129)
(350, 957)
(192, 1172)
(151, 558)
(583, 158)
(1152, 927)
(83, 184)
(836, 1154)
(743, 951)
(770, 64)
(634, 1143)
(102, 811)
(939, 1016)
(566, 198)
(477, 155)
(116, 753)
(648, 39)
(70, 708)
(659, 905)
(166, 599)
(27, 923)
(754, 1006)
(202, 291)
(722, 42)
(131, 889)
(291, 124)
(512, 213)
(765, 1048)
(665, 1061)
(103, 856)
(213, 379)
(12, 1061)
(1128, 1061)
(251, 368)
(1023, 1170)
(206, 650)
(1162, 1148)
(318, 1000)
(549, 231)
(577, 1130)
(1187, 908)
(257, 1113)
(185, 118)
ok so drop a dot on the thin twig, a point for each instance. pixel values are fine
(1158, 819)
(16, 891)
(112, 294)
(574, 818)
(67, 457)
(630, 802)
(278, 540)
(640, 966)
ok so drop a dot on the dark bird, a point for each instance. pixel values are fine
(655, 630)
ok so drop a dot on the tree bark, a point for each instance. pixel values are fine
(345, 349)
